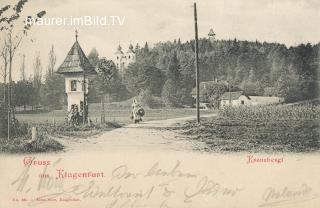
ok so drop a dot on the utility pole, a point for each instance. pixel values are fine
(84, 91)
(197, 62)
(229, 86)
(84, 99)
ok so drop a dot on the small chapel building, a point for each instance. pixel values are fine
(77, 71)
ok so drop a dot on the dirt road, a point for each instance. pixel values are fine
(151, 158)
(145, 136)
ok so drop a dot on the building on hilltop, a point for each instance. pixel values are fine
(122, 60)
(211, 35)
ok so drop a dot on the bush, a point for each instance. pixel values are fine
(147, 99)
(23, 145)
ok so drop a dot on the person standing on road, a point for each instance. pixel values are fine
(136, 111)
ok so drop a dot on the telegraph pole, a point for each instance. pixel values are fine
(84, 91)
(197, 62)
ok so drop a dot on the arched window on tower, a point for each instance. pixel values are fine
(117, 57)
(129, 57)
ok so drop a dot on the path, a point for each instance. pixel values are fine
(145, 136)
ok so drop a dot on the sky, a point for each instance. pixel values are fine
(290, 22)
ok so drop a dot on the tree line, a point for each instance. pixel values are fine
(45, 90)
(167, 70)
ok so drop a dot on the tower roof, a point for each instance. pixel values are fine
(211, 33)
(130, 50)
(119, 50)
(76, 61)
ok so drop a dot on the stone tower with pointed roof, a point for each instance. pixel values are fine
(211, 35)
(77, 71)
(122, 60)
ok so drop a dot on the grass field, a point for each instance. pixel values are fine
(113, 113)
(260, 129)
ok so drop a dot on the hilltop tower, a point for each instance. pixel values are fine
(211, 35)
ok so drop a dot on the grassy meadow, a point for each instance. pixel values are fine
(113, 113)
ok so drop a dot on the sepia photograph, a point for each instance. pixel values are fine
(160, 104)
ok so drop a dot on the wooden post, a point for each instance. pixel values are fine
(197, 63)
(102, 113)
(53, 118)
(229, 94)
(34, 134)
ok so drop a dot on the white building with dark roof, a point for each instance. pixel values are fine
(76, 68)
(239, 98)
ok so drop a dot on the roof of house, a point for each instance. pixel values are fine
(211, 33)
(76, 61)
(232, 95)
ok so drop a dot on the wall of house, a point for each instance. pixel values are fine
(123, 61)
(264, 100)
(75, 97)
(237, 102)
(254, 100)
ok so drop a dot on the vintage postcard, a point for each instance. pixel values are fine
(159, 103)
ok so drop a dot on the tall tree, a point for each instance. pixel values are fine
(51, 61)
(9, 15)
(4, 55)
(107, 82)
(170, 91)
(37, 79)
(22, 68)
(93, 57)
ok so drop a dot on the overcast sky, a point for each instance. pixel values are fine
(285, 21)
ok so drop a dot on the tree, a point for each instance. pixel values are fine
(21, 93)
(22, 69)
(4, 55)
(107, 82)
(52, 91)
(12, 35)
(170, 92)
(212, 92)
(288, 87)
(141, 75)
(52, 62)
(93, 57)
(146, 47)
(37, 80)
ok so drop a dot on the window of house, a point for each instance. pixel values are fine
(242, 102)
(117, 57)
(129, 57)
(74, 85)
